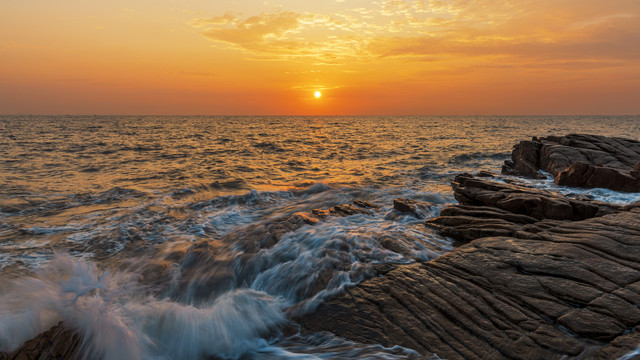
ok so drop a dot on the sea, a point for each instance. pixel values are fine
(132, 230)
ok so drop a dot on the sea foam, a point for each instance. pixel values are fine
(117, 320)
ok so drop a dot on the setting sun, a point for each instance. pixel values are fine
(263, 57)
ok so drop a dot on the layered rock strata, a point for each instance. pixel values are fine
(491, 208)
(570, 293)
(579, 160)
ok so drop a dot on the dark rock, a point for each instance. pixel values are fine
(344, 210)
(268, 233)
(553, 154)
(525, 160)
(617, 348)
(570, 293)
(57, 343)
(365, 204)
(419, 208)
(536, 203)
(465, 223)
(636, 171)
(484, 173)
(580, 174)
(487, 212)
(500, 209)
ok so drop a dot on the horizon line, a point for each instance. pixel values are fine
(312, 115)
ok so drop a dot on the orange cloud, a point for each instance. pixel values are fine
(415, 28)
(257, 32)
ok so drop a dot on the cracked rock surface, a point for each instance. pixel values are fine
(571, 293)
(589, 161)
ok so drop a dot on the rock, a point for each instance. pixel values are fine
(580, 174)
(536, 203)
(618, 348)
(365, 204)
(484, 173)
(57, 343)
(345, 210)
(500, 209)
(419, 208)
(487, 212)
(636, 171)
(553, 154)
(465, 223)
(266, 234)
(525, 160)
(568, 294)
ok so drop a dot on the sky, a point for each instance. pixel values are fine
(386, 57)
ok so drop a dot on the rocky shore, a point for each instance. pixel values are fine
(541, 276)
(536, 275)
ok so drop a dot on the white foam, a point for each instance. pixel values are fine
(117, 321)
(338, 252)
(599, 194)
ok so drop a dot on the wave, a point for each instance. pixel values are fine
(269, 146)
(116, 193)
(117, 320)
(464, 158)
(598, 194)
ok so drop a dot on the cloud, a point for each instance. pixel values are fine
(287, 34)
(571, 32)
(614, 38)
(254, 31)
(214, 20)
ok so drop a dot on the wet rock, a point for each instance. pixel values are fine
(618, 348)
(345, 210)
(525, 160)
(570, 293)
(580, 174)
(536, 203)
(636, 171)
(57, 343)
(268, 233)
(465, 223)
(365, 204)
(487, 212)
(503, 209)
(418, 208)
(554, 154)
(484, 173)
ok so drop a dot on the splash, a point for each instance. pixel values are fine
(117, 320)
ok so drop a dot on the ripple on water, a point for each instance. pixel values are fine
(143, 192)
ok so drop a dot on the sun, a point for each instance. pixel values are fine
(317, 94)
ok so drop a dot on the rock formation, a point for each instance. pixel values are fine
(57, 343)
(418, 208)
(596, 161)
(491, 208)
(568, 293)
(544, 276)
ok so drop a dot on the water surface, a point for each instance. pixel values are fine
(136, 227)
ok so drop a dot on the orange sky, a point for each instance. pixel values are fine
(270, 57)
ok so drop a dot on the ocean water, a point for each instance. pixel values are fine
(137, 231)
